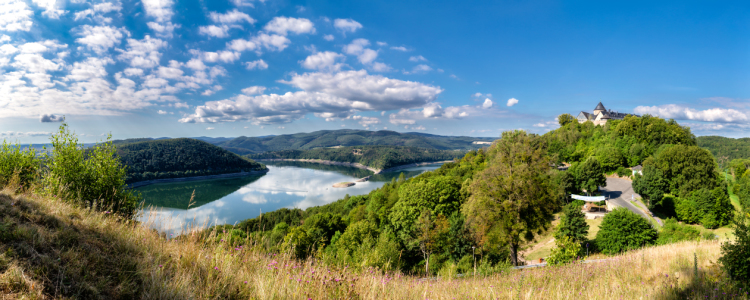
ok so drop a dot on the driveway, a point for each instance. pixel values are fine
(620, 192)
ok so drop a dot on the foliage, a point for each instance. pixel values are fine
(572, 224)
(609, 158)
(710, 208)
(623, 230)
(623, 172)
(684, 168)
(566, 251)
(726, 149)
(735, 257)
(349, 137)
(378, 157)
(513, 196)
(590, 174)
(565, 119)
(96, 177)
(673, 232)
(172, 158)
(651, 185)
(24, 164)
(742, 190)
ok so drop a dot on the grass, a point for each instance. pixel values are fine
(53, 250)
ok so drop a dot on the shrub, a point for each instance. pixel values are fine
(573, 224)
(735, 257)
(623, 172)
(15, 162)
(622, 230)
(673, 232)
(566, 251)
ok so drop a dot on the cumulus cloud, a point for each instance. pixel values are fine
(673, 111)
(163, 29)
(45, 118)
(210, 128)
(97, 11)
(51, 8)
(15, 15)
(365, 55)
(346, 25)
(231, 17)
(254, 90)
(142, 53)
(99, 38)
(161, 112)
(417, 58)
(284, 25)
(511, 102)
(338, 94)
(272, 42)
(214, 31)
(323, 61)
(420, 69)
(258, 64)
(212, 90)
(487, 103)
(92, 67)
(161, 10)
(328, 37)
(400, 48)
(366, 121)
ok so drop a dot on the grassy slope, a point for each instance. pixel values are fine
(54, 250)
(348, 137)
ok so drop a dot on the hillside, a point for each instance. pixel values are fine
(725, 149)
(172, 158)
(348, 137)
(378, 157)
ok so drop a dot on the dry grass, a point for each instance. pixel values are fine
(54, 250)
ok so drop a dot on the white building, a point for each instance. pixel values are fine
(600, 116)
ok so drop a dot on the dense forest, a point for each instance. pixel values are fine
(495, 199)
(726, 149)
(378, 157)
(348, 137)
(172, 158)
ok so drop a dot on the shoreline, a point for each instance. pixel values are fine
(194, 178)
(356, 165)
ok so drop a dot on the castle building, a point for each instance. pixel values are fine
(600, 116)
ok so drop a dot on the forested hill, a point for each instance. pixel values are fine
(378, 157)
(726, 149)
(349, 137)
(172, 158)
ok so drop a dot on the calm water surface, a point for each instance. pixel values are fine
(228, 201)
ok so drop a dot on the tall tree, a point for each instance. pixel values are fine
(513, 196)
(565, 119)
(591, 175)
(573, 224)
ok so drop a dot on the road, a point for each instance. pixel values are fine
(620, 191)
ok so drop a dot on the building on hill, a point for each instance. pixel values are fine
(601, 115)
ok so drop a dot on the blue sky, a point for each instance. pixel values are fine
(157, 68)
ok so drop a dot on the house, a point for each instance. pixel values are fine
(600, 116)
(637, 170)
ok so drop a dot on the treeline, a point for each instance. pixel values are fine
(726, 149)
(173, 158)
(378, 157)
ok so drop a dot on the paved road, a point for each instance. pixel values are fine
(620, 191)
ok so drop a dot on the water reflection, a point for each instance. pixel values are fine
(227, 201)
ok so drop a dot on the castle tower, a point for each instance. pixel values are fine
(599, 108)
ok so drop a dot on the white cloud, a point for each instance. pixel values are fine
(364, 55)
(417, 58)
(15, 15)
(366, 121)
(258, 64)
(346, 25)
(673, 111)
(511, 102)
(421, 69)
(231, 17)
(284, 25)
(11, 134)
(4, 38)
(99, 38)
(97, 10)
(213, 90)
(336, 95)
(242, 3)
(45, 118)
(142, 53)
(271, 42)
(323, 61)
(400, 48)
(380, 67)
(196, 64)
(51, 8)
(254, 90)
(356, 47)
(161, 10)
(382, 44)
(92, 67)
(328, 37)
(210, 128)
(133, 72)
(163, 29)
(214, 31)
(161, 112)
(420, 127)
(487, 103)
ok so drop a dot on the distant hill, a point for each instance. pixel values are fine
(349, 137)
(378, 157)
(725, 149)
(172, 158)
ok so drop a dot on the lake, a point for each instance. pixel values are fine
(230, 200)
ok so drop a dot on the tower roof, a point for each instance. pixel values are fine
(600, 107)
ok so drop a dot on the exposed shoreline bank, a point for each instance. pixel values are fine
(357, 165)
(184, 179)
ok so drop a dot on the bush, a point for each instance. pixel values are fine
(735, 257)
(566, 251)
(622, 230)
(673, 232)
(95, 177)
(573, 224)
(623, 172)
(15, 162)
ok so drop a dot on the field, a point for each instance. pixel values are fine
(53, 250)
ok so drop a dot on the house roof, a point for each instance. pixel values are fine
(600, 107)
(637, 168)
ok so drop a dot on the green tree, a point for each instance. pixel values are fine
(686, 168)
(514, 195)
(609, 158)
(622, 230)
(565, 119)
(573, 224)
(651, 185)
(735, 257)
(591, 175)
(438, 194)
(566, 250)
(14, 161)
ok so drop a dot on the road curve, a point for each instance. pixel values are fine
(620, 192)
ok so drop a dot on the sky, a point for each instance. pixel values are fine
(164, 68)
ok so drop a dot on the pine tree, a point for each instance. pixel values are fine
(573, 224)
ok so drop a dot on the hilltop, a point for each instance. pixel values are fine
(725, 149)
(172, 158)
